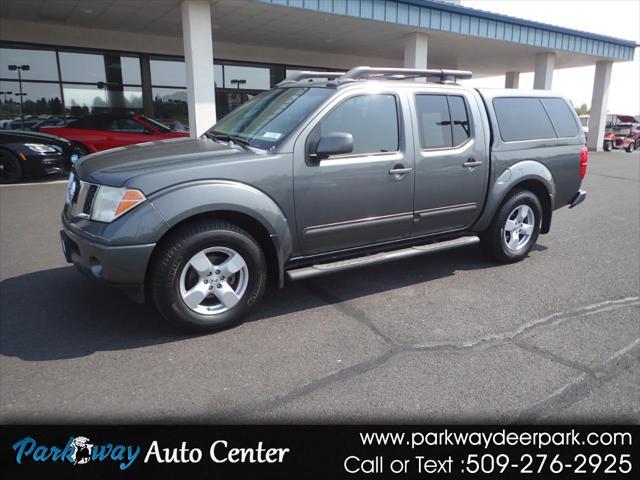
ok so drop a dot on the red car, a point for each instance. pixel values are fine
(100, 132)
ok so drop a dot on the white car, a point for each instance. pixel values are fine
(584, 120)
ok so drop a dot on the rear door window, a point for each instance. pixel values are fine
(443, 120)
(522, 118)
(561, 116)
(460, 127)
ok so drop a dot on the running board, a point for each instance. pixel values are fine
(323, 268)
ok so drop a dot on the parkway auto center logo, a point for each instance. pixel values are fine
(78, 450)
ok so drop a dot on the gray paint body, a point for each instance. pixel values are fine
(328, 208)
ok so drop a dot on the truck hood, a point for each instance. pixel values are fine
(181, 159)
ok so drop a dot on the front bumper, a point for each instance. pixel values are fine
(38, 165)
(578, 198)
(119, 265)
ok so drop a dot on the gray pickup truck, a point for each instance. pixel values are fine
(325, 172)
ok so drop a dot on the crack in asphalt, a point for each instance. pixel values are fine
(583, 385)
(590, 378)
(335, 377)
(553, 357)
(531, 325)
(350, 311)
(615, 177)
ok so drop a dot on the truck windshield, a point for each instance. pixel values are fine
(266, 120)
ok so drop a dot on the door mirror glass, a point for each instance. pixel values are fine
(334, 143)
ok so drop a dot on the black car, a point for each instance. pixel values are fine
(31, 154)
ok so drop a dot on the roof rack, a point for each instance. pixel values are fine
(380, 73)
(361, 73)
(306, 75)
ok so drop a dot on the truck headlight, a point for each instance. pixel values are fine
(40, 148)
(112, 202)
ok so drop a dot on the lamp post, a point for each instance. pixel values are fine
(20, 69)
(4, 94)
(238, 82)
(21, 94)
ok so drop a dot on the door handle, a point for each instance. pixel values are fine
(471, 162)
(400, 170)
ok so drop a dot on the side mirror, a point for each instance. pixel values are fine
(334, 143)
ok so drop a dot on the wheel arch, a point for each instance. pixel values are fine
(539, 189)
(245, 206)
(256, 229)
(529, 175)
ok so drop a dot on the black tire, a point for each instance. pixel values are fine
(493, 240)
(630, 148)
(608, 146)
(10, 168)
(638, 144)
(165, 276)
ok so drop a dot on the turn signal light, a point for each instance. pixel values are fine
(130, 199)
(111, 202)
(584, 159)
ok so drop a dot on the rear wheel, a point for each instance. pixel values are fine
(608, 146)
(638, 144)
(514, 229)
(10, 168)
(207, 276)
(630, 148)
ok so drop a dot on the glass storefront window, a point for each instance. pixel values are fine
(41, 99)
(217, 76)
(42, 64)
(255, 78)
(170, 107)
(130, 70)
(82, 67)
(81, 100)
(168, 72)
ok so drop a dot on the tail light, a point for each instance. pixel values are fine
(584, 159)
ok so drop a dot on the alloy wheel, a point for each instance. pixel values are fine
(519, 227)
(214, 280)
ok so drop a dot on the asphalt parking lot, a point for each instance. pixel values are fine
(446, 337)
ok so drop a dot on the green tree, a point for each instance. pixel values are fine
(582, 109)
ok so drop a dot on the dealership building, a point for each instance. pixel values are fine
(192, 61)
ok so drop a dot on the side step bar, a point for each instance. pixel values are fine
(323, 268)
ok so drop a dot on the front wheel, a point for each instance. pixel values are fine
(630, 148)
(608, 146)
(207, 276)
(514, 229)
(10, 168)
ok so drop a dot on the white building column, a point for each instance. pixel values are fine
(198, 55)
(415, 52)
(512, 80)
(599, 100)
(543, 77)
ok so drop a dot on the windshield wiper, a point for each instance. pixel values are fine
(224, 137)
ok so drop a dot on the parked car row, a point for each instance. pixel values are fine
(95, 133)
(34, 123)
(58, 143)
